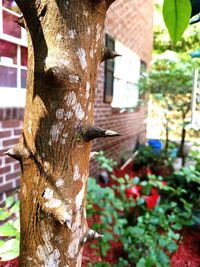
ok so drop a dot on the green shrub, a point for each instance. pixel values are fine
(146, 216)
(9, 230)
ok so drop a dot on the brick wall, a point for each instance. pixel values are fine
(11, 121)
(129, 22)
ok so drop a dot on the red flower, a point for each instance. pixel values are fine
(152, 200)
(133, 191)
(163, 183)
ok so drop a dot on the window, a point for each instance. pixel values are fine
(143, 67)
(13, 56)
(109, 72)
(13, 61)
(121, 76)
(9, 29)
(10, 4)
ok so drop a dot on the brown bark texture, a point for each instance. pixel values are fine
(65, 48)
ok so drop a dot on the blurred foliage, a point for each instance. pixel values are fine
(170, 76)
(170, 85)
(154, 161)
(105, 163)
(148, 225)
(148, 234)
(9, 230)
(188, 43)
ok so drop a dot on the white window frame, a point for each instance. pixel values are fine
(13, 97)
(126, 76)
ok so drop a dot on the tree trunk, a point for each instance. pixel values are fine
(181, 148)
(183, 135)
(65, 48)
(166, 125)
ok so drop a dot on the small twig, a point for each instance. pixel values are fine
(129, 160)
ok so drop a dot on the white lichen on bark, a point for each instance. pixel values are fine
(60, 113)
(60, 182)
(87, 94)
(82, 57)
(76, 175)
(79, 198)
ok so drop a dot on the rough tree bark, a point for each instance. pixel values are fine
(65, 48)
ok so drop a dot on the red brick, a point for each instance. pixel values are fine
(4, 134)
(8, 114)
(17, 166)
(9, 160)
(10, 142)
(21, 113)
(1, 197)
(1, 114)
(14, 113)
(11, 192)
(5, 169)
(6, 187)
(2, 151)
(17, 131)
(10, 123)
(13, 175)
(17, 182)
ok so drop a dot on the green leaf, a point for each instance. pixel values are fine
(163, 258)
(109, 219)
(140, 201)
(9, 201)
(15, 208)
(135, 231)
(173, 204)
(136, 180)
(162, 242)
(104, 248)
(101, 264)
(143, 183)
(9, 250)
(177, 226)
(172, 247)
(108, 236)
(121, 180)
(176, 15)
(7, 230)
(4, 215)
(17, 236)
(93, 246)
(103, 219)
(141, 263)
(116, 229)
(16, 224)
